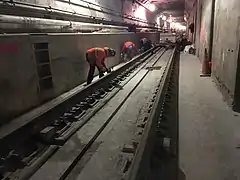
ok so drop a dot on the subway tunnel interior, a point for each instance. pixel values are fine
(170, 111)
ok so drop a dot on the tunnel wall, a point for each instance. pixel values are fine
(204, 28)
(225, 36)
(200, 15)
(19, 79)
(226, 43)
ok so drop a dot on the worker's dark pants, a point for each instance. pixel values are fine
(92, 70)
(130, 53)
(146, 48)
(91, 73)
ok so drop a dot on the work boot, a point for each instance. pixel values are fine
(109, 70)
(101, 74)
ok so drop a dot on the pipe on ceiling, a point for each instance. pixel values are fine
(29, 23)
(49, 8)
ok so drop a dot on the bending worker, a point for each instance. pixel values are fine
(128, 51)
(145, 44)
(96, 57)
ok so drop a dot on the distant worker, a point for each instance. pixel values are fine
(128, 51)
(96, 58)
(132, 28)
(145, 44)
(168, 41)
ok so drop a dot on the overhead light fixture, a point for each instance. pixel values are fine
(140, 13)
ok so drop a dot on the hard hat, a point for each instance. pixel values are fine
(143, 41)
(110, 51)
(106, 48)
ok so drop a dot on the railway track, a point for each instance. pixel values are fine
(87, 115)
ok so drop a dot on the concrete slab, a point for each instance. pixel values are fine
(209, 134)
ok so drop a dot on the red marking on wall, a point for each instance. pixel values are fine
(203, 31)
(8, 48)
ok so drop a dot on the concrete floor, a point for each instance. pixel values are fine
(209, 132)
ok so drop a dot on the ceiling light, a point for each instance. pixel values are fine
(140, 13)
(151, 7)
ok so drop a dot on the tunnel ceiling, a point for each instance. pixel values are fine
(169, 7)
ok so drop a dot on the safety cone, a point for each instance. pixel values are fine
(206, 66)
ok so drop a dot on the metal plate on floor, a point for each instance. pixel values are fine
(151, 68)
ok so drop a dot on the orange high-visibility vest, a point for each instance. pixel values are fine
(126, 46)
(97, 56)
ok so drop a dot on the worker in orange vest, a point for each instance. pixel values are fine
(128, 51)
(96, 58)
(145, 44)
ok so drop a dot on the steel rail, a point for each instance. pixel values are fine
(140, 165)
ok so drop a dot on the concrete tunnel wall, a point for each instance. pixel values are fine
(202, 27)
(226, 43)
(225, 47)
(19, 82)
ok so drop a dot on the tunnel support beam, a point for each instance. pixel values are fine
(236, 101)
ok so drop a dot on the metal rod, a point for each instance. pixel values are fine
(99, 6)
(141, 4)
